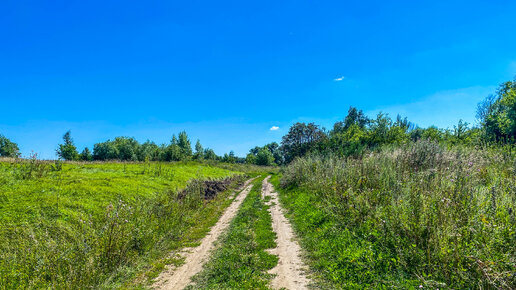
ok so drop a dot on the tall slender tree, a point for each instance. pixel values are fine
(67, 151)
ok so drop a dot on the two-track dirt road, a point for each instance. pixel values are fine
(289, 273)
(195, 258)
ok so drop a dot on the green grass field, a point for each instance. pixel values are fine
(96, 224)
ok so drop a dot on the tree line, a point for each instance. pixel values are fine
(129, 149)
(355, 134)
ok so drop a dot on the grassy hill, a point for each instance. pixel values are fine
(77, 225)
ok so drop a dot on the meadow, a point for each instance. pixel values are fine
(420, 215)
(99, 224)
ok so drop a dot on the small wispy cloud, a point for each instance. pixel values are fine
(339, 79)
(274, 128)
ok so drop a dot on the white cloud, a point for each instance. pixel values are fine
(274, 128)
(339, 79)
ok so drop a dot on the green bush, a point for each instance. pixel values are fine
(8, 148)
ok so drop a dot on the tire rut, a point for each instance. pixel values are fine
(290, 271)
(195, 258)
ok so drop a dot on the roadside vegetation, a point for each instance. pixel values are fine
(90, 225)
(381, 203)
(403, 217)
(241, 261)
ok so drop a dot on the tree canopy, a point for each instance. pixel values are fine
(8, 148)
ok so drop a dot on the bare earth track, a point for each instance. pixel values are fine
(195, 258)
(290, 269)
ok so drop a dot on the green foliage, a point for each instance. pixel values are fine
(184, 145)
(128, 149)
(30, 168)
(301, 139)
(209, 154)
(264, 157)
(357, 134)
(122, 148)
(229, 158)
(199, 151)
(97, 225)
(354, 118)
(498, 114)
(86, 155)
(250, 158)
(8, 148)
(410, 215)
(67, 151)
(242, 262)
(267, 155)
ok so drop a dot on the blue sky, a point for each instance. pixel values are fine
(228, 71)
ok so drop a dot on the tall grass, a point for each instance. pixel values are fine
(408, 216)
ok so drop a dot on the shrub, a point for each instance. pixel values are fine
(8, 148)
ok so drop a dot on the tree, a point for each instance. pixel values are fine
(461, 132)
(127, 148)
(351, 141)
(184, 144)
(8, 148)
(354, 117)
(105, 151)
(148, 151)
(229, 158)
(198, 150)
(274, 150)
(86, 155)
(301, 139)
(173, 153)
(250, 158)
(264, 157)
(497, 114)
(67, 151)
(379, 129)
(209, 154)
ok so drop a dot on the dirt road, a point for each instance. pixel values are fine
(290, 269)
(195, 258)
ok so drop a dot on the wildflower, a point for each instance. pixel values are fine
(420, 286)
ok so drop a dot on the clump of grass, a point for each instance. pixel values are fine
(241, 261)
(404, 217)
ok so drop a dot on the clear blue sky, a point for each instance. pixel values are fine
(228, 71)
